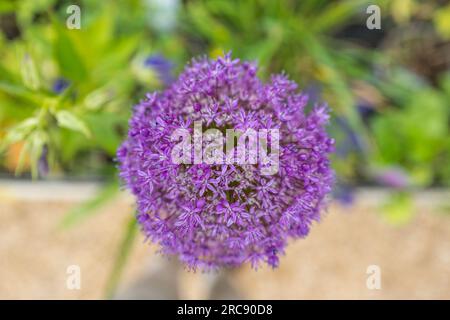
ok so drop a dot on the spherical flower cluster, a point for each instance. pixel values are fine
(221, 215)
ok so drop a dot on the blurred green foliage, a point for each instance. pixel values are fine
(66, 94)
(323, 45)
(83, 122)
(415, 135)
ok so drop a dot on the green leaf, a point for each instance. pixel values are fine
(69, 59)
(113, 61)
(336, 83)
(336, 14)
(21, 162)
(441, 21)
(68, 120)
(207, 24)
(102, 29)
(7, 6)
(105, 130)
(38, 140)
(91, 206)
(121, 258)
(445, 83)
(29, 72)
(20, 92)
(266, 48)
(97, 98)
(19, 132)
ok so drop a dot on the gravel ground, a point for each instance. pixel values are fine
(331, 263)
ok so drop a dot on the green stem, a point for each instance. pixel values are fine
(121, 258)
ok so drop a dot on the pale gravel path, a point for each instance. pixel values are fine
(330, 263)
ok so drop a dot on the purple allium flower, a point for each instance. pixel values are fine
(351, 142)
(59, 85)
(162, 67)
(43, 162)
(344, 193)
(366, 111)
(394, 177)
(225, 215)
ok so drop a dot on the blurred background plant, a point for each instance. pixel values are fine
(66, 94)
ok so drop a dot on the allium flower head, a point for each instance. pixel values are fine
(220, 215)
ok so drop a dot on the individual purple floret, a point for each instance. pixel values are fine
(223, 215)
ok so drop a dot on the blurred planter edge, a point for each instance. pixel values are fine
(77, 191)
